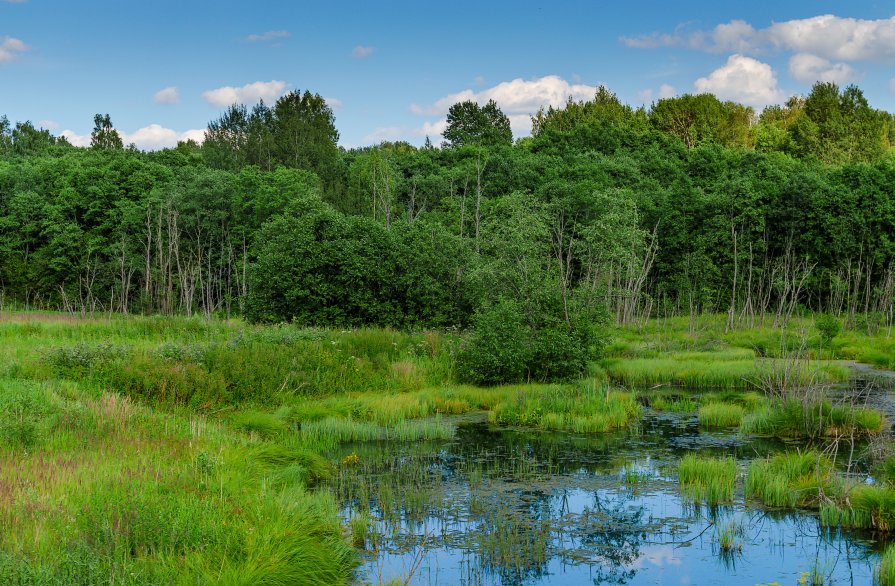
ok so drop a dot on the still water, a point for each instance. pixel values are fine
(520, 507)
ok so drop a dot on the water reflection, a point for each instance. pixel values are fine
(517, 507)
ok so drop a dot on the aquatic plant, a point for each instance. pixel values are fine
(707, 479)
(792, 479)
(719, 415)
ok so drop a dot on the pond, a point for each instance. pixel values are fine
(521, 507)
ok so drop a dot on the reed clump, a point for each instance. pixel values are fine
(706, 479)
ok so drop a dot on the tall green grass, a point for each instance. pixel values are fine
(585, 408)
(792, 479)
(885, 572)
(718, 415)
(707, 479)
(798, 420)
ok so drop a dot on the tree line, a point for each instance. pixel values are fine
(606, 212)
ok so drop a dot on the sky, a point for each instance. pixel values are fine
(390, 70)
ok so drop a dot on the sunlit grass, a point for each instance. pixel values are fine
(707, 479)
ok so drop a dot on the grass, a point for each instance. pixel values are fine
(864, 507)
(720, 415)
(793, 419)
(792, 479)
(706, 479)
(585, 408)
(149, 450)
(885, 572)
(730, 535)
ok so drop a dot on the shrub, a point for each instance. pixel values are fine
(499, 349)
(828, 327)
(504, 348)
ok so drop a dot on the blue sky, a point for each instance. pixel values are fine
(163, 69)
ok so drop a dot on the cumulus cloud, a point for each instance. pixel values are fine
(81, 140)
(155, 136)
(48, 124)
(361, 52)
(518, 98)
(268, 36)
(11, 48)
(392, 133)
(334, 103)
(827, 36)
(149, 138)
(809, 68)
(168, 95)
(742, 79)
(225, 96)
(665, 91)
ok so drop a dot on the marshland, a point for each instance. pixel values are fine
(142, 450)
(644, 345)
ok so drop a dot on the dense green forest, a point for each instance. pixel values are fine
(607, 212)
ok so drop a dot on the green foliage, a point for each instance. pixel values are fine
(499, 349)
(792, 479)
(885, 573)
(720, 415)
(469, 124)
(796, 419)
(588, 408)
(707, 479)
(828, 327)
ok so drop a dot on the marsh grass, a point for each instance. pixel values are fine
(730, 535)
(719, 415)
(793, 479)
(885, 572)
(707, 479)
(864, 507)
(795, 419)
(585, 408)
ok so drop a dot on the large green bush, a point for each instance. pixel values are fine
(504, 347)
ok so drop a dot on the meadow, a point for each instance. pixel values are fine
(146, 450)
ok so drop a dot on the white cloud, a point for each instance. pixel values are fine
(742, 79)
(384, 133)
(832, 37)
(737, 35)
(81, 140)
(828, 36)
(518, 96)
(334, 103)
(155, 136)
(361, 52)
(168, 95)
(48, 124)
(518, 99)
(268, 36)
(225, 96)
(809, 68)
(892, 85)
(150, 138)
(11, 48)
(667, 91)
